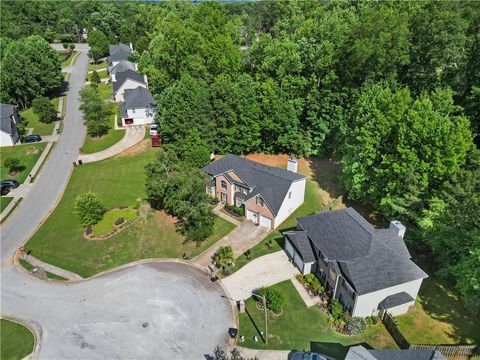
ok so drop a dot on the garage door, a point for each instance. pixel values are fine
(298, 262)
(264, 221)
(252, 216)
(289, 249)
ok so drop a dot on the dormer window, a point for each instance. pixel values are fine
(223, 184)
(259, 201)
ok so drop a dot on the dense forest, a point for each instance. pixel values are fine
(389, 89)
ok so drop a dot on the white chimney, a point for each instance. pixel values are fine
(113, 77)
(292, 164)
(398, 228)
(145, 79)
(131, 47)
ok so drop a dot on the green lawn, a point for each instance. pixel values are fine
(103, 74)
(300, 328)
(105, 91)
(28, 155)
(102, 64)
(39, 128)
(50, 275)
(107, 224)
(311, 205)
(98, 144)
(118, 181)
(439, 316)
(4, 202)
(15, 339)
(68, 61)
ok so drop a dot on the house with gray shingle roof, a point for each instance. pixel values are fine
(9, 121)
(268, 194)
(361, 353)
(127, 79)
(123, 65)
(118, 53)
(368, 270)
(138, 107)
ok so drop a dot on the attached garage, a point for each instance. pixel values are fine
(252, 216)
(294, 243)
(265, 221)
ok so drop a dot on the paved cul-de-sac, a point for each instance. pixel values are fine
(161, 310)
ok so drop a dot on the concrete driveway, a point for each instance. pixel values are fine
(243, 237)
(263, 271)
(157, 310)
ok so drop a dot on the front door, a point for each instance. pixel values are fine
(223, 198)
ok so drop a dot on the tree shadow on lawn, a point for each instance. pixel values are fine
(336, 350)
(254, 324)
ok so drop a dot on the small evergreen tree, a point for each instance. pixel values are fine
(89, 208)
(95, 78)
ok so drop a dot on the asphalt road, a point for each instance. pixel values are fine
(103, 318)
(48, 188)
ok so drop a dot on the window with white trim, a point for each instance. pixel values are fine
(223, 184)
(260, 201)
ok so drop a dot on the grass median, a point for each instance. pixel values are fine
(17, 341)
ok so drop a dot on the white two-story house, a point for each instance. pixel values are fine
(138, 107)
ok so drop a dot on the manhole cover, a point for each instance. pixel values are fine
(145, 324)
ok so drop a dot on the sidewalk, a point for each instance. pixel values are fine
(262, 354)
(309, 301)
(53, 269)
(133, 135)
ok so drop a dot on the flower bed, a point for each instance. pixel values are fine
(234, 211)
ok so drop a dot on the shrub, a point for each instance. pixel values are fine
(89, 208)
(236, 210)
(119, 221)
(13, 165)
(274, 298)
(313, 283)
(95, 77)
(336, 309)
(224, 257)
(356, 326)
(212, 200)
(300, 278)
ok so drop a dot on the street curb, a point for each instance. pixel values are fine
(37, 334)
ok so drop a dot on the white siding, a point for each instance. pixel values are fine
(140, 116)
(367, 304)
(128, 84)
(5, 139)
(400, 309)
(290, 205)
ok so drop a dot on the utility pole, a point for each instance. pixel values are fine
(264, 300)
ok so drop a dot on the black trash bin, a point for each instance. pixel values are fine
(233, 332)
(80, 162)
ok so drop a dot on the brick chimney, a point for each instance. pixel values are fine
(292, 164)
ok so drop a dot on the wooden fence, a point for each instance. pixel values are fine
(450, 351)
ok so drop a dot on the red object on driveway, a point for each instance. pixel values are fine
(155, 140)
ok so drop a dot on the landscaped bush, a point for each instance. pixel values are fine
(237, 210)
(311, 282)
(356, 326)
(224, 258)
(89, 208)
(212, 200)
(275, 299)
(336, 309)
(13, 165)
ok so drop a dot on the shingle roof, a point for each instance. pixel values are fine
(302, 244)
(120, 78)
(396, 300)
(270, 182)
(7, 111)
(370, 259)
(360, 353)
(122, 66)
(119, 52)
(138, 98)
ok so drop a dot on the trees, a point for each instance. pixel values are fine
(274, 298)
(95, 78)
(29, 68)
(13, 165)
(194, 150)
(224, 257)
(89, 208)
(98, 44)
(96, 113)
(44, 109)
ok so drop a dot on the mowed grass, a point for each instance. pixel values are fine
(69, 61)
(119, 181)
(311, 205)
(306, 329)
(28, 155)
(105, 91)
(15, 339)
(4, 202)
(107, 224)
(100, 65)
(26, 265)
(113, 136)
(103, 74)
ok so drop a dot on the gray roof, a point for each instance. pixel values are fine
(7, 111)
(270, 182)
(120, 78)
(138, 98)
(122, 66)
(302, 244)
(360, 353)
(119, 52)
(396, 300)
(370, 259)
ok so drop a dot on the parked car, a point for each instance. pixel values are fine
(300, 355)
(155, 141)
(5, 190)
(31, 139)
(12, 184)
(154, 129)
